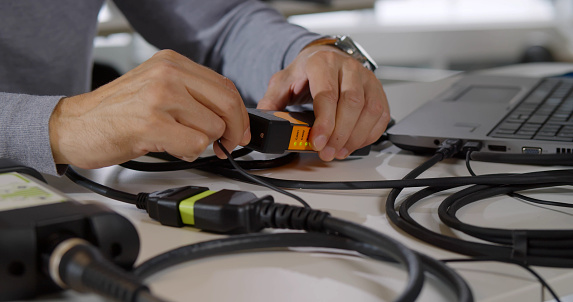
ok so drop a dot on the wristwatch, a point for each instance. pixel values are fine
(350, 47)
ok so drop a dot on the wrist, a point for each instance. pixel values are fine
(348, 46)
(67, 108)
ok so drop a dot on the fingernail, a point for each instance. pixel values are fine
(328, 153)
(342, 153)
(319, 143)
(246, 137)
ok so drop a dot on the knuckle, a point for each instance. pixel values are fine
(353, 66)
(167, 54)
(324, 126)
(386, 117)
(217, 129)
(276, 79)
(163, 70)
(233, 103)
(229, 84)
(329, 95)
(353, 98)
(376, 108)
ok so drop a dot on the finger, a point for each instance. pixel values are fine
(277, 95)
(180, 141)
(323, 84)
(205, 86)
(350, 105)
(371, 122)
(378, 129)
(195, 115)
(227, 104)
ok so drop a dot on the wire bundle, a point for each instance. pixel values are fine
(523, 247)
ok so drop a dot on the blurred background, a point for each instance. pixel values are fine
(411, 40)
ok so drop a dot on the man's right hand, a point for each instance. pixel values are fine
(168, 103)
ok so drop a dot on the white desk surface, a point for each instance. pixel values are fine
(294, 276)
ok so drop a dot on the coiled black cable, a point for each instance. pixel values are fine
(242, 243)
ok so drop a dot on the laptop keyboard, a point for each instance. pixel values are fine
(545, 114)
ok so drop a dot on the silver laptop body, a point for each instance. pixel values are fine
(506, 114)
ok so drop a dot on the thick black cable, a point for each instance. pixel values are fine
(526, 267)
(539, 243)
(542, 255)
(524, 159)
(99, 188)
(402, 183)
(461, 246)
(396, 250)
(245, 243)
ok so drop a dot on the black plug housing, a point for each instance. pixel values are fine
(449, 147)
(163, 206)
(471, 146)
(229, 211)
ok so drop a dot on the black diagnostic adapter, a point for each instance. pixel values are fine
(35, 217)
(225, 211)
(277, 132)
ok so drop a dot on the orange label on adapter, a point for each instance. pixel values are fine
(299, 139)
(286, 116)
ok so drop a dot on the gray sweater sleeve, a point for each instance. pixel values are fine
(24, 119)
(245, 40)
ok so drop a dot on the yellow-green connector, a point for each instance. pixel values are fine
(225, 211)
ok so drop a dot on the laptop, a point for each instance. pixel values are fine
(506, 114)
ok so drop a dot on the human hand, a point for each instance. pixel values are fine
(349, 102)
(167, 103)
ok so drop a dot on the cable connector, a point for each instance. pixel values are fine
(449, 147)
(225, 211)
(163, 206)
(471, 146)
(75, 263)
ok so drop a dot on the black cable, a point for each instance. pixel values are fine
(76, 264)
(255, 179)
(245, 243)
(526, 267)
(175, 164)
(541, 201)
(408, 224)
(468, 165)
(99, 188)
(520, 196)
(509, 178)
(547, 178)
(524, 159)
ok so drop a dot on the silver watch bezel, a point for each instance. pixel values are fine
(353, 49)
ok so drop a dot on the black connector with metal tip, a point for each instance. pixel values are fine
(76, 264)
